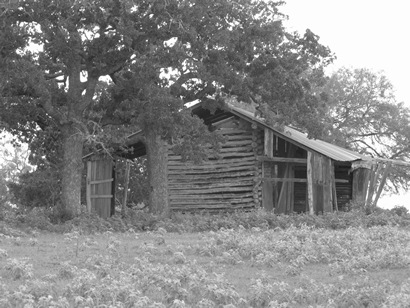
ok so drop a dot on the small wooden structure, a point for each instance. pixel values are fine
(258, 166)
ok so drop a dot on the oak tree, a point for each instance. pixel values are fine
(364, 115)
(155, 56)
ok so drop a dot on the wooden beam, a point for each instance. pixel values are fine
(88, 188)
(376, 170)
(333, 183)
(101, 181)
(297, 180)
(100, 196)
(282, 159)
(382, 182)
(268, 142)
(310, 182)
(126, 182)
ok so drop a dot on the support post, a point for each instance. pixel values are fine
(88, 187)
(126, 182)
(309, 177)
(382, 182)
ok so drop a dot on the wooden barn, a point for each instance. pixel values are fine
(258, 166)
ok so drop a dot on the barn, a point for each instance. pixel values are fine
(258, 165)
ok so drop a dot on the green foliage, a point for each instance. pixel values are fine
(157, 56)
(160, 274)
(363, 115)
(40, 188)
(138, 181)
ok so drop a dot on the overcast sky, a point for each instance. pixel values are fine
(362, 33)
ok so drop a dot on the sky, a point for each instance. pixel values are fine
(369, 34)
(362, 33)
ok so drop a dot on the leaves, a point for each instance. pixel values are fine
(363, 115)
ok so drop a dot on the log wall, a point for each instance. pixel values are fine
(230, 181)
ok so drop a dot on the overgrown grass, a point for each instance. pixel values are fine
(293, 267)
(138, 220)
(253, 259)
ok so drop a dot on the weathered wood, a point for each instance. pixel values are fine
(219, 196)
(212, 166)
(233, 200)
(101, 181)
(210, 185)
(100, 186)
(126, 182)
(327, 184)
(101, 196)
(88, 186)
(375, 173)
(283, 159)
(204, 191)
(223, 121)
(206, 178)
(382, 183)
(232, 131)
(211, 162)
(361, 178)
(267, 197)
(214, 206)
(310, 182)
(210, 171)
(334, 191)
(268, 142)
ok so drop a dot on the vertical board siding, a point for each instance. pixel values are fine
(226, 182)
(320, 187)
(100, 186)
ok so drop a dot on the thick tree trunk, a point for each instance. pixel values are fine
(157, 173)
(72, 170)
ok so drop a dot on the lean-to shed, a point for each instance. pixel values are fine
(258, 166)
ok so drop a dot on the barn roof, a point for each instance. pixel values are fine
(290, 134)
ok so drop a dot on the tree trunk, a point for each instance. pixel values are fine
(72, 170)
(157, 173)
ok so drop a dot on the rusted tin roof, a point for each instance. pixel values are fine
(327, 149)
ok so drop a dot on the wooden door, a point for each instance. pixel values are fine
(100, 196)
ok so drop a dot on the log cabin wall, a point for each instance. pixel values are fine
(228, 182)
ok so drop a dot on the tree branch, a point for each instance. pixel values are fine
(52, 76)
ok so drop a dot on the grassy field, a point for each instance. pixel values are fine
(293, 267)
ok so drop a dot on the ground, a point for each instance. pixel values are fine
(296, 267)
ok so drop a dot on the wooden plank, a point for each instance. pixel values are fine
(100, 196)
(201, 178)
(334, 191)
(327, 185)
(292, 180)
(212, 201)
(268, 143)
(88, 188)
(210, 185)
(209, 171)
(101, 181)
(212, 161)
(219, 196)
(219, 165)
(382, 183)
(224, 206)
(282, 159)
(310, 182)
(375, 174)
(204, 191)
(126, 182)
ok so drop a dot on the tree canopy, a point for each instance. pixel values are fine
(363, 115)
(108, 62)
